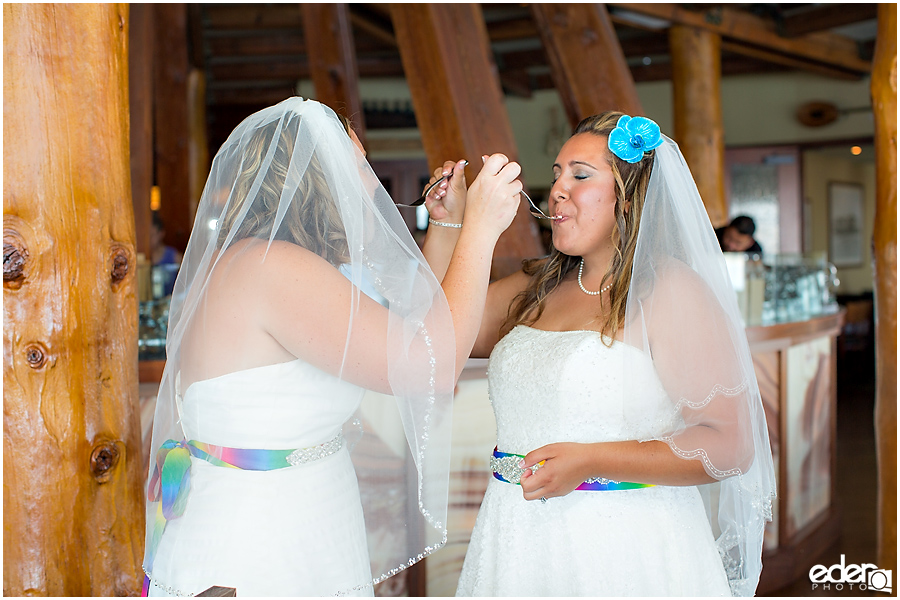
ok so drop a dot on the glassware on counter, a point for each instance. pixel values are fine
(783, 288)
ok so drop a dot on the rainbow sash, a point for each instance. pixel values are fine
(171, 480)
(505, 466)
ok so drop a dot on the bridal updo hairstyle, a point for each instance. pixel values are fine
(312, 219)
(632, 181)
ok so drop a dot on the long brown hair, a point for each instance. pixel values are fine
(312, 219)
(632, 180)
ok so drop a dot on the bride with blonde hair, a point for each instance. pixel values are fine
(302, 288)
(632, 452)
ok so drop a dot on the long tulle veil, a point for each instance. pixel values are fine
(682, 314)
(291, 173)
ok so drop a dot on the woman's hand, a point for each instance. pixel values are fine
(493, 198)
(566, 466)
(447, 200)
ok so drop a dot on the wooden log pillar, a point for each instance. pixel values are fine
(884, 105)
(459, 103)
(140, 98)
(332, 61)
(171, 114)
(697, 100)
(73, 509)
(198, 144)
(586, 60)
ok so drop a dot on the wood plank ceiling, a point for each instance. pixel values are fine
(253, 55)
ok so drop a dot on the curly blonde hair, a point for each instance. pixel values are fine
(632, 180)
(312, 219)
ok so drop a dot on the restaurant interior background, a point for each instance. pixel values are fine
(799, 158)
(794, 84)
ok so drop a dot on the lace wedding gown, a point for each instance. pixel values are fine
(294, 531)
(551, 386)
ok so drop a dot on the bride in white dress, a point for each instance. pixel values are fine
(301, 288)
(632, 453)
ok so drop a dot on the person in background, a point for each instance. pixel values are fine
(737, 236)
(165, 259)
(161, 253)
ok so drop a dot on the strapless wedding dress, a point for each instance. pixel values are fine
(294, 531)
(550, 386)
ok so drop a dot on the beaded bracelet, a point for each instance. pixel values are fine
(442, 224)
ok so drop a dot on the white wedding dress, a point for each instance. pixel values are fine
(295, 531)
(551, 386)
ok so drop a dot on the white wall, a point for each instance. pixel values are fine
(757, 110)
(820, 168)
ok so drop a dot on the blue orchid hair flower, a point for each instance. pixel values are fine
(634, 136)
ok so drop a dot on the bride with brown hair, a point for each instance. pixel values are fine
(272, 471)
(632, 453)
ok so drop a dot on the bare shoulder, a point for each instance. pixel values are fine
(512, 284)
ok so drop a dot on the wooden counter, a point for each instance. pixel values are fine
(796, 370)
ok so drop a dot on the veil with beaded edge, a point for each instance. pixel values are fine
(403, 482)
(682, 314)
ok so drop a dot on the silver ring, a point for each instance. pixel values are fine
(543, 500)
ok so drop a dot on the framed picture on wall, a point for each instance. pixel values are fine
(845, 224)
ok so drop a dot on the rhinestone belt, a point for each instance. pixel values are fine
(170, 484)
(506, 468)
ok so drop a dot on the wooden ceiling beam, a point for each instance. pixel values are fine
(332, 60)
(827, 48)
(788, 61)
(251, 16)
(522, 59)
(251, 96)
(586, 60)
(650, 45)
(290, 68)
(256, 45)
(459, 103)
(195, 33)
(516, 83)
(376, 30)
(293, 67)
(826, 16)
(513, 29)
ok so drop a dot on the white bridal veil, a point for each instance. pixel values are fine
(682, 314)
(291, 173)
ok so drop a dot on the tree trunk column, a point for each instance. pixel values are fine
(697, 96)
(73, 510)
(884, 105)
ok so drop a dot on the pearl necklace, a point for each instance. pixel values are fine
(581, 285)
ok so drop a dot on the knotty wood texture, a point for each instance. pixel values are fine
(73, 510)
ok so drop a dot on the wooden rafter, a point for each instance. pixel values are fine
(826, 16)
(830, 49)
(252, 16)
(459, 103)
(332, 60)
(787, 61)
(576, 35)
(373, 27)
